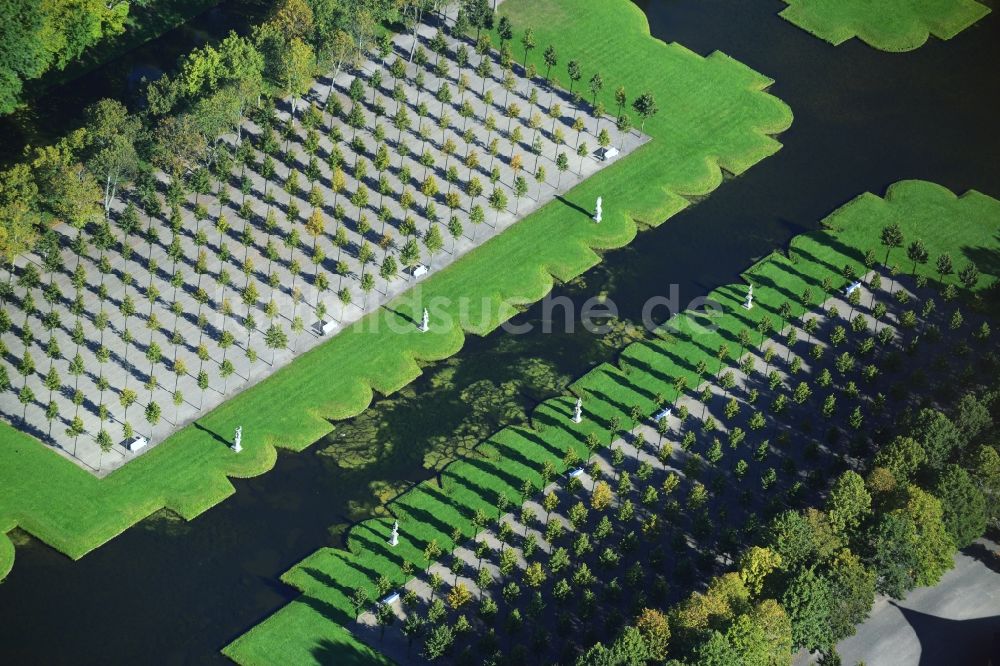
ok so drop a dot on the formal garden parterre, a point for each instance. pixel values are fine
(743, 391)
(298, 226)
(189, 474)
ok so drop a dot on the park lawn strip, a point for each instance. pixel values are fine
(184, 476)
(707, 104)
(337, 646)
(719, 117)
(887, 25)
(966, 227)
(6, 554)
(429, 513)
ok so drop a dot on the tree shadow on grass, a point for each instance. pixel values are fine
(401, 315)
(216, 436)
(987, 259)
(544, 420)
(487, 494)
(619, 408)
(378, 548)
(421, 516)
(566, 202)
(535, 437)
(340, 654)
(534, 466)
(630, 386)
(326, 579)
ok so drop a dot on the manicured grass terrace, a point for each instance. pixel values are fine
(715, 116)
(887, 25)
(966, 227)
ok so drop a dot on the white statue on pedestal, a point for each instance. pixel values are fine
(425, 322)
(597, 215)
(237, 438)
(394, 537)
(748, 303)
(578, 411)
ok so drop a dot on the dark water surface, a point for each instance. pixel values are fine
(168, 591)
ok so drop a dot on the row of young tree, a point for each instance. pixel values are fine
(188, 115)
(586, 559)
(195, 131)
(887, 528)
(63, 182)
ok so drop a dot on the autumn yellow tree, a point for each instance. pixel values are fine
(459, 596)
(534, 575)
(315, 226)
(655, 630)
(755, 565)
(601, 497)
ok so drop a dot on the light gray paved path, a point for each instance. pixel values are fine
(286, 274)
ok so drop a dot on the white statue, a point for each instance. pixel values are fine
(597, 215)
(237, 438)
(394, 537)
(578, 411)
(748, 303)
(425, 322)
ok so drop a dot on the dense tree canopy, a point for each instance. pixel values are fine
(852, 593)
(849, 503)
(808, 600)
(813, 576)
(36, 36)
(893, 556)
(938, 435)
(210, 94)
(963, 504)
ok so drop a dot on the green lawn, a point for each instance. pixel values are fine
(888, 25)
(966, 227)
(715, 114)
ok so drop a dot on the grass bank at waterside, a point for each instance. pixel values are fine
(314, 627)
(715, 115)
(887, 25)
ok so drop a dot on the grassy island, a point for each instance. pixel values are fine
(888, 25)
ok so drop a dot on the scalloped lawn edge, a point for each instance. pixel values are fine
(899, 28)
(313, 626)
(6, 556)
(725, 122)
